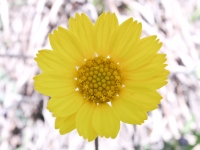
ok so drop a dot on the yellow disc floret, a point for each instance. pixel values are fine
(99, 79)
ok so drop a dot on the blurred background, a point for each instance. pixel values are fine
(25, 124)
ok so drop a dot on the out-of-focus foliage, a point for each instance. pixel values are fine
(196, 14)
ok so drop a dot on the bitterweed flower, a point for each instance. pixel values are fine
(100, 74)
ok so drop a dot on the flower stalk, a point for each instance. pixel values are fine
(96, 144)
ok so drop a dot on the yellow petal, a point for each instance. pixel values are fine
(82, 27)
(103, 29)
(143, 53)
(143, 97)
(105, 122)
(49, 60)
(128, 114)
(146, 72)
(152, 95)
(156, 61)
(154, 83)
(124, 39)
(65, 124)
(65, 106)
(66, 43)
(54, 84)
(84, 121)
(151, 74)
(132, 106)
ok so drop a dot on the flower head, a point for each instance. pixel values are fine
(100, 74)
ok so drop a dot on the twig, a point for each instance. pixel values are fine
(21, 100)
(15, 56)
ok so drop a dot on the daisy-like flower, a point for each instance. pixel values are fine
(100, 74)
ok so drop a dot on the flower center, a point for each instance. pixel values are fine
(99, 79)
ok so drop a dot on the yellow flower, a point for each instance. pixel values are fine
(100, 74)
